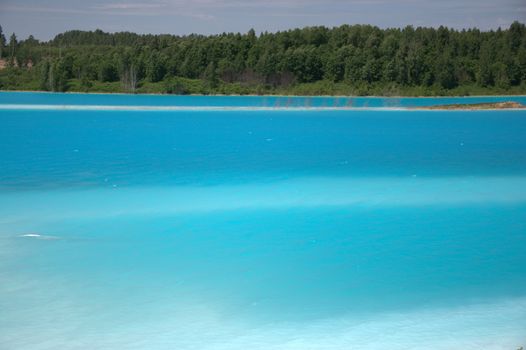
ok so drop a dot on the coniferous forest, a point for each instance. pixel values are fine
(345, 60)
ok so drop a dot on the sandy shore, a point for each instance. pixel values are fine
(478, 106)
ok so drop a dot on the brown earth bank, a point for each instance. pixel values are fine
(477, 106)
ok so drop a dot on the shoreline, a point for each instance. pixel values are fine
(250, 95)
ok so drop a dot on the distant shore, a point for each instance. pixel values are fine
(478, 106)
(348, 60)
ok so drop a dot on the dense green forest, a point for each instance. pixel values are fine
(345, 60)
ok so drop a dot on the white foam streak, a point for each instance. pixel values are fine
(39, 107)
(36, 235)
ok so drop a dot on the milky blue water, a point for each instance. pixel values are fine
(260, 229)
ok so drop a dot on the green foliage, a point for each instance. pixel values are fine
(155, 69)
(210, 76)
(358, 59)
(175, 86)
(79, 85)
(107, 71)
(18, 79)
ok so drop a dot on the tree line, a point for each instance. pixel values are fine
(351, 55)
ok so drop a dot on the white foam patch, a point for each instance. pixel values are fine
(31, 235)
(38, 236)
(303, 192)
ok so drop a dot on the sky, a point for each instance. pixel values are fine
(46, 18)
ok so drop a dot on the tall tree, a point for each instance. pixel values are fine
(2, 42)
(13, 43)
(210, 75)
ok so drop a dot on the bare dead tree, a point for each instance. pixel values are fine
(129, 78)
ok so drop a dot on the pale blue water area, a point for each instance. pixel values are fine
(260, 229)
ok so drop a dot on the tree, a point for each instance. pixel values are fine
(357, 57)
(107, 71)
(445, 72)
(210, 75)
(130, 78)
(2, 42)
(502, 80)
(58, 76)
(227, 70)
(521, 64)
(155, 70)
(251, 35)
(13, 43)
(334, 68)
(44, 78)
(485, 74)
(516, 33)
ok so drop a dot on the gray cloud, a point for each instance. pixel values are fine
(46, 19)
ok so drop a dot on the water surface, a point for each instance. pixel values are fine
(275, 229)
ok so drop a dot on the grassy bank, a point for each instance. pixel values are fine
(27, 80)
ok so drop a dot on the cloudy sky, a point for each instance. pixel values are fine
(45, 18)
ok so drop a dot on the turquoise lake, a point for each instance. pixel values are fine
(208, 222)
